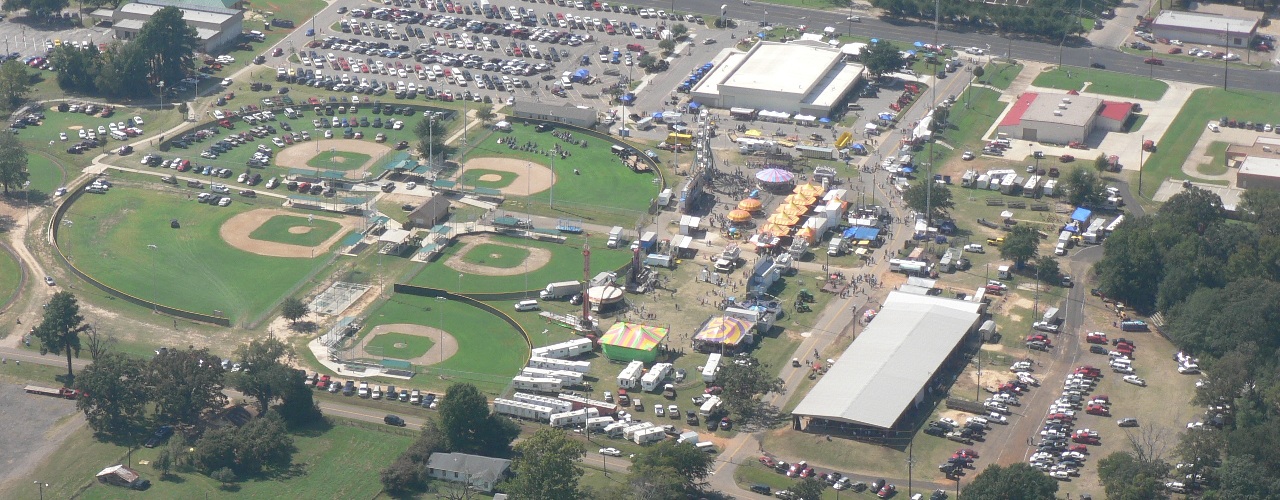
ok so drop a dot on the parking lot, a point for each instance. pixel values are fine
(30, 38)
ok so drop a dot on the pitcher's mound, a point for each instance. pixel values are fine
(299, 229)
(490, 178)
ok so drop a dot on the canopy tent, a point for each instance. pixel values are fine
(776, 115)
(752, 133)
(791, 209)
(1081, 214)
(806, 118)
(808, 189)
(775, 230)
(784, 219)
(806, 234)
(723, 331)
(853, 49)
(800, 199)
(861, 233)
(739, 216)
(632, 342)
(774, 176)
(750, 205)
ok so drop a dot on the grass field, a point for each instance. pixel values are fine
(277, 229)
(1203, 106)
(341, 462)
(970, 118)
(338, 160)
(46, 173)
(399, 345)
(10, 276)
(190, 268)
(1102, 82)
(603, 183)
(496, 255)
(472, 178)
(1217, 164)
(490, 352)
(1001, 75)
(566, 264)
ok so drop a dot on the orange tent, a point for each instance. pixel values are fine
(784, 219)
(800, 199)
(750, 205)
(809, 190)
(805, 233)
(739, 216)
(791, 210)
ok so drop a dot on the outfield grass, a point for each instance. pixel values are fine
(1102, 82)
(46, 175)
(413, 345)
(496, 255)
(566, 264)
(1204, 105)
(341, 462)
(338, 160)
(10, 276)
(1001, 75)
(190, 268)
(603, 182)
(277, 229)
(472, 178)
(489, 353)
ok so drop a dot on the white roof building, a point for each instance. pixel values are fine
(890, 366)
(215, 26)
(806, 77)
(1202, 28)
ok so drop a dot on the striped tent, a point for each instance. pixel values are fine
(723, 331)
(632, 341)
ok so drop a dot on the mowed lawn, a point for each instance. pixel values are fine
(277, 229)
(338, 160)
(341, 462)
(602, 180)
(398, 345)
(191, 268)
(488, 347)
(970, 118)
(496, 255)
(46, 175)
(1000, 75)
(566, 264)
(1204, 105)
(10, 276)
(1102, 82)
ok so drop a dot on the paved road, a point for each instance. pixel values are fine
(1204, 74)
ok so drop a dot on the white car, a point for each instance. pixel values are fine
(1045, 326)
(610, 452)
(137, 121)
(226, 82)
(1135, 380)
(949, 422)
(62, 135)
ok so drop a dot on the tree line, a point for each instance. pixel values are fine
(163, 51)
(1050, 20)
(1217, 282)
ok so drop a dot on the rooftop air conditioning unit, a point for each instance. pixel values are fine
(1066, 99)
(1057, 113)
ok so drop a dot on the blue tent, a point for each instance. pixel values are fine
(908, 170)
(885, 116)
(858, 147)
(919, 44)
(657, 116)
(861, 233)
(694, 105)
(875, 40)
(628, 98)
(824, 120)
(1081, 214)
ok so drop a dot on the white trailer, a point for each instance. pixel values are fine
(565, 377)
(709, 405)
(1031, 188)
(559, 364)
(630, 431)
(579, 402)
(597, 424)
(564, 350)
(653, 380)
(709, 369)
(575, 417)
(557, 405)
(983, 181)
(615, 429)
(1051, 187)
(522, 410)
(536, 384)
(629, 377)
(649, 435)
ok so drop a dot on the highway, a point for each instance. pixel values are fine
(751, 14)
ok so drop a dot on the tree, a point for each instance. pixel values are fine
(743, 384)
(225, 476)
(1244, 478)
(76, 68)
(926, 193)
(38, 8)
(13, 163)
(1193, 209)
(458, 491)
(431, 132)
(547, 466)
(293, 309)
(262, 443)
(1262, 207)
(215, 450)
(1083, 187)
(650, 482)
(171, 45)
(1132, 265)
(163, 463)
(468, 427)
(15, 83)
(98, 344)
(1100, 163)
(268, 376)
(1125, 477)
(1047, 270)
(1214, 321)
(808, 488)
(646, 60)
(59, 331)
(408, 471)
(978, 72)
(115, 394)
(1021, 245)
(882, 57)
(485, 113)
(401, 476)
(1019, 481)
(667, 45)
(679, 30)
(691, 465)
(185, 383)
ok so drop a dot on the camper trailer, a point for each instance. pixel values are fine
(556, 405)
(629, 377)
(614, 430)
(653, 380)
(629, 431)
(579, 402)
(536, 384)
(572, 418)
(649, 435)
(521, 410)
(709, 370)
(566, 377)
(709, 406)
(564, 350)
(597, 424)
(560, 364)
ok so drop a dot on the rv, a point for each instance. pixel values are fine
(572, 418)
(564, 350)
(631, 430)
(536, 384)
(614, 430)
(566, 377)
(521, 410)
(557, 405)
(709, 370)
(653, 380)
(649, 435)
(597, 424)
(629, 377)
(709, 406)
(560, 364)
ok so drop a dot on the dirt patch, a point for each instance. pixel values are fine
(29, 444)
(298, 155)
(538, 257)
(445, 345)
(235, 231)
(299, 230)
(530, 177)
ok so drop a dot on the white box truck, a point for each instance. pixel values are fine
(629, 377)
(652, 380)
(560, 290)
(836, 247)
(709, 369)
(615, 237)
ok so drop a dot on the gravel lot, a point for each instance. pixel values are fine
(35, 428)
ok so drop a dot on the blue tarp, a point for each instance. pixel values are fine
(861, 233)
(858, 147)
(1081, 214)
(824, 120)
(628, 98)
(694, 105)
(658, 115)
(908, 170)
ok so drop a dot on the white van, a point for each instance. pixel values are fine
(565, 83)
(527, 305)
(706, 446)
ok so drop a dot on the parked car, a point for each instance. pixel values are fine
(1127, 422)
(394, 420)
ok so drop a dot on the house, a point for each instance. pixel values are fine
(482, 473)
(431, 213)
(120, 475)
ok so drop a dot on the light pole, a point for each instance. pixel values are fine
(161, 85)
(42, 487)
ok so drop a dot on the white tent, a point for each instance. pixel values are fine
(853, 49)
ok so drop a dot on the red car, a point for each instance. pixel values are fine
(767, 461)
(1038, 338)
(1097, 410)
(1096, 338)
(1079, 448)
(887, 491)
(1085, 439)
(1153, 61)
(323, 383)
(966, 452)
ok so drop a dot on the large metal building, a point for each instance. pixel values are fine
(1205, 29)
(891, 366)
(805, 77)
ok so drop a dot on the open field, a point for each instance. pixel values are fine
(971, 117)
(295, 230)
(1000, 75)
(338, 160)
(1204, 105)
(340, 462)
(10, 276)
(566, 264)
(1102, 82)
(496, 255)
(399, 345)
(46, 174)
(111, 237)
